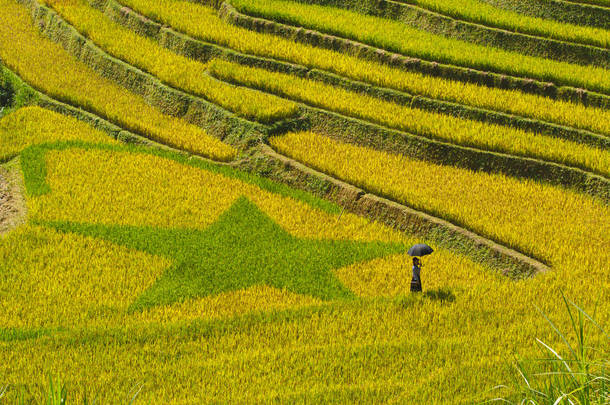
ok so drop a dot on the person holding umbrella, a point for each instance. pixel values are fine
(421, 249)
(416, 280)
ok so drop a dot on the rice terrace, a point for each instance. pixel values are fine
(304, 201)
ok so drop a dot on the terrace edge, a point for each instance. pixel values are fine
(192, 48)
(268, 164)
(489, 79)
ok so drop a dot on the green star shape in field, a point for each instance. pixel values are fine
(243, 248)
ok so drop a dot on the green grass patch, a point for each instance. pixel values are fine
(16, 334)
(575, 373)
(14, 94)
(242, 249)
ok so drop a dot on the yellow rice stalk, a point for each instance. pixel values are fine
(480, 135)
(33, 125)
(175, 70)
(203, 23)
(47, 67)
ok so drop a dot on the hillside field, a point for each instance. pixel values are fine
(213, 201)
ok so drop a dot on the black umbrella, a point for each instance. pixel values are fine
(421, 249)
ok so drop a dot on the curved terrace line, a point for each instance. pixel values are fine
(442, 26)
(201, 50)
(35, 173)
(465, 111)
(95, 119)
(395, 214)
(559, 10)
(204, 51)
(175, 71)
(463, 156)
(340, 193)
(453, 72)
(565, 46)
(424, 134)
(99, 122)
(343, 128)
(192, 109)
(145, 26)
(442, 141)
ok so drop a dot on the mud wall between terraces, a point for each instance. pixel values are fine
(204, 52)
(440, 24)
(362, 133)
(285, 170)
(339, 127)
(489, 79)
(214, 119)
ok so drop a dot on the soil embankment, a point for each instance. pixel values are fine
(12, 203)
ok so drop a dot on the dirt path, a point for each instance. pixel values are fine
(12, 202)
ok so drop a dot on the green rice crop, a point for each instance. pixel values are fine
(229, 250)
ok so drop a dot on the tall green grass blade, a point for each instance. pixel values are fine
(575, 378)
(561, 335)
(139, 387)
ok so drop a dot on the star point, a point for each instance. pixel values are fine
(243, 248)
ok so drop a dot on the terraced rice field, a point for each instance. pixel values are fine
(213, 201)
